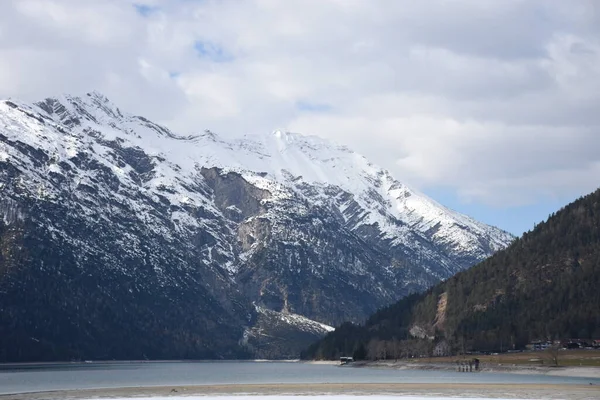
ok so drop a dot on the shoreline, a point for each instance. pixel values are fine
(564, 371)
(100, 362)
(526, 369)
(504, 391)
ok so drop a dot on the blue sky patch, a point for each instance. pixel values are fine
(513, 219)
(145, 10)
(212, 51)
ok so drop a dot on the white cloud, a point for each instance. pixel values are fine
(496, 100)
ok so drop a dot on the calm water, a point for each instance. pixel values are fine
(105, 375)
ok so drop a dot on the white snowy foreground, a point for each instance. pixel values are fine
(320, 396)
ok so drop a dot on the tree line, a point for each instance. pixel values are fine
(543, 286)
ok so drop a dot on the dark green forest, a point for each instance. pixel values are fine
(546, 285)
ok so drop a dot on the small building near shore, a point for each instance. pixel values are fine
(441, 349)
(346, 360)
(539, 345)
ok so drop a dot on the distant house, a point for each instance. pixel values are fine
(538, 345)
(441, 349)
(346, 360)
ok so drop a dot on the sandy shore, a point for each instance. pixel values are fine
(322, 362)
(506, 391)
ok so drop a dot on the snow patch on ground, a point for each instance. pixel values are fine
(318, 396)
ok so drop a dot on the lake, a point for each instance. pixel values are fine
(45, 377)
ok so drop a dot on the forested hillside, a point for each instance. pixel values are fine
(546, 285)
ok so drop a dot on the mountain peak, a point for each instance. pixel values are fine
(273, 219)
(98, 96)
(292, 136)
(70, 110)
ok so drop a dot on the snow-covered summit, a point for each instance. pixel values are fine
(294, 159)
(275, 159)
(294, 224)
(279, 162)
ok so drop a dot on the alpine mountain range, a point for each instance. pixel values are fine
(120, 239)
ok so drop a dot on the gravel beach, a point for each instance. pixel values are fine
(504, 391)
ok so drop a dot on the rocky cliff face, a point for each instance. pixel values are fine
(121, 239)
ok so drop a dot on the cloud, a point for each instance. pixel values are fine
(495, 100)
(312, 107)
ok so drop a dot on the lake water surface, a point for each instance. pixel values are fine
(45, 377)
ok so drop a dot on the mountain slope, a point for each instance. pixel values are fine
(545, 285)
(168, 241)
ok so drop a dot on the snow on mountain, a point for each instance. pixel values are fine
(278, 162)
(293, 223)
(291, 159)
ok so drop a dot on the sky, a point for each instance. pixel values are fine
(490, 107)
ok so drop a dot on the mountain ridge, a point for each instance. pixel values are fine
(269, 222)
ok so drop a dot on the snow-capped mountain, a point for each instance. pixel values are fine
(286, 164)
(113, 224)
